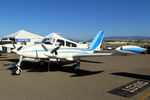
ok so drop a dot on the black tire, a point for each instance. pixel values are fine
(41, 63)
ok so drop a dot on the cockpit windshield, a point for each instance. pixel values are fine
(48, 41)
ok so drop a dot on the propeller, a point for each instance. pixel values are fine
(55, 50)
(121, 48)
(14, 48)
(52, 51)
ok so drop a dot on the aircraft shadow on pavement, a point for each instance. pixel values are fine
(90, 61)
(132, 75)
(35, 67)
(11, 60)
(2, 57)
(80, 72)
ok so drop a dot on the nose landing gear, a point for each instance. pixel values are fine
(18, 69)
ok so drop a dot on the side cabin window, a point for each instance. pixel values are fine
(69, 44)
(60, 42)
(74, 45)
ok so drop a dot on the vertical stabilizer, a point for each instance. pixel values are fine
(97, 41)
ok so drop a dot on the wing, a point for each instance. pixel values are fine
(95, 54)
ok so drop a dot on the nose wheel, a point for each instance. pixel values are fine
(18, 71)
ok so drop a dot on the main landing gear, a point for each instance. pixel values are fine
(52, 62)
(77, 65)
(18, 69)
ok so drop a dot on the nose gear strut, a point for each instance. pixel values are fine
(18, 69)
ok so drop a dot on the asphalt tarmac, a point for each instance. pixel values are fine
(97, 76)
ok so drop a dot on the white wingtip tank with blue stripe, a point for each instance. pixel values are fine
(97, 41)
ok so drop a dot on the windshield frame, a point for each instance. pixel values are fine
(48, 41)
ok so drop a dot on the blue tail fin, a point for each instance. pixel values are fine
(97, 40)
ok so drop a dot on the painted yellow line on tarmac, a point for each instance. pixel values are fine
(145, 97)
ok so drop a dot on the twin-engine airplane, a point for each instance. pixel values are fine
(56, 50)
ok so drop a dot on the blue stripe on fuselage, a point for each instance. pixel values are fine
(72, 52)
(83, 51)
(37, 50)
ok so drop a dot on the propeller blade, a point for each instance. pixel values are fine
(44, 47)
(55, 49)
(13, 45)
(19, 48)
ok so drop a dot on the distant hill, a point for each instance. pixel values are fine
(128, 38)
(119, 38)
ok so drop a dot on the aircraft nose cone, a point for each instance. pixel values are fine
(19, 52)
(117, 49)
(14, 51)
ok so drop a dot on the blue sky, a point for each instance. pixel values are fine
(76, 19)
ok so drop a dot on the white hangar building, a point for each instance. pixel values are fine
(21, 37)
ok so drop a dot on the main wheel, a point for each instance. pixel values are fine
(41, 63)
(76, 67)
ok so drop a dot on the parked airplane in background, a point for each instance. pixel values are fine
(55, 49)
(0, 47)
(130, 49)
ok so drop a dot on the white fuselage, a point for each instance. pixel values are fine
(129, 49)
(38, 52)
